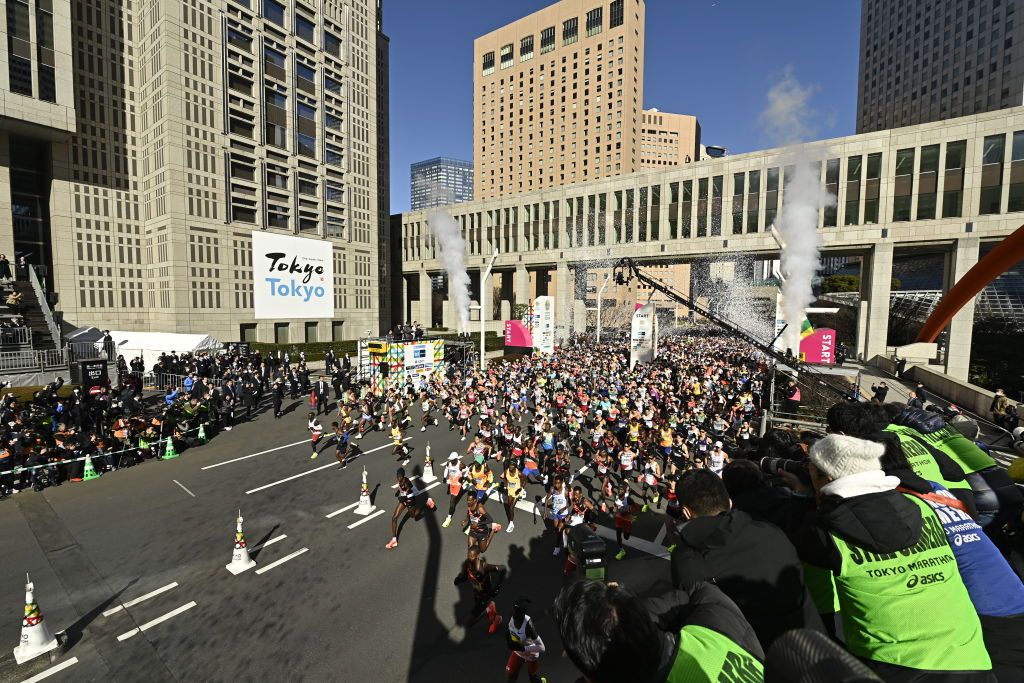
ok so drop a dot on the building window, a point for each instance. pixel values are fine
(753, 200)
(275, 63)
(928, 182)
(277, 217)
(240, 40)
(242, 169)
(305, 78)
(243, 214)
(716, 205)
(686, 209)
(992, 174)
(488, 63)
(871, 192)
(19, 47)
(851, 210)
(307, 186)
(307, 145)
(306, 118)
(831, 212)
(239, 127)
(570, 31)
(333, 193)
(338, 330)
(305, 29)
(1017, 172)
(616, 14)
(280, 333)
(311, 332)
(526, 48)
(276, 118)
(333, 156)
(508, 57)
(44, 54)
(904, 185)
(332, 86)
(308, 224)
(595, 21)
(274, 11)
(547, 40)
(279, 180)
(738, 184)
(332, 44)
(702, 207)
(331, 121)
(953, 179)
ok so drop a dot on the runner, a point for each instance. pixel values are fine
(454, 473)
(477, 571)
(525, 644)
(398, 443)
(717, 459)
(624, 509)
(406, 494)
(481, 477)
(512, 480)
(316, 430)
(581, 511)
(557, 503)
(479, 526)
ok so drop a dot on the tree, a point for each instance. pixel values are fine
(849, 283)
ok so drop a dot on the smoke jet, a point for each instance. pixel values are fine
(452, 255)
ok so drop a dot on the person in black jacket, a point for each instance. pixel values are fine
(751, 562)
(611, 636)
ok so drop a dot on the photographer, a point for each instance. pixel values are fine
(752, 562)
(699, 635)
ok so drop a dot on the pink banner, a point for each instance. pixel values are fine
(516, 334)
(819, 348)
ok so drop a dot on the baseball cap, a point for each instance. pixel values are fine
(718, 444)
(479, 460)
(453, 456)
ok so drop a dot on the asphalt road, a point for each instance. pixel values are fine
(327, 601)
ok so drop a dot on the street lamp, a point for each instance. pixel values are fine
(600, 293)
(483, 321)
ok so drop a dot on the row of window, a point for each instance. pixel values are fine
(570, 34)
(19, 50)
(303, 26)
(283, 332)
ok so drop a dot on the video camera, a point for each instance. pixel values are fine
(775, 466)
(588, 549)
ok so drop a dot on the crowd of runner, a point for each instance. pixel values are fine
(894, 513)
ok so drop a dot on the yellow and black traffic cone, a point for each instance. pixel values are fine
(240, 560)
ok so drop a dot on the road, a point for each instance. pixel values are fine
(327, 601)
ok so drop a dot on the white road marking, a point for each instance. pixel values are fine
(307, 472)
(272, 541)
(253, 455)
(366, 519)
(183, 488)
(52, 670)
(344, 509)
(430, 486)
(141, 598)
(159, 620)
(267, 568)
(648, 547)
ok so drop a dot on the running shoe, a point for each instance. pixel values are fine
(621, 554)
(644, 508)
(557, 551)
(423, 429)
(495, 624)
(393, 543)
(447, 522)
(671, 548)
(511, 526)
(313, 457)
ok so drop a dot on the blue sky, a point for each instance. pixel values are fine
(712, 58)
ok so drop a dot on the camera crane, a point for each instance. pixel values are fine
(627, 269)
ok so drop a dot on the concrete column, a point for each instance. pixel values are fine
(522, 285)
(958, 348)
(563, 300)
(424, 307)
(876, 285)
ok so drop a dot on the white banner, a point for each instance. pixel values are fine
(643, 337)
(293, 277)
(544, 324)
(419, 361)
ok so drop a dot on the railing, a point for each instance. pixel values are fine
(15, 336)
(28, 361)
(44, 306)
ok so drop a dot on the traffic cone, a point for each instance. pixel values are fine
(169, 452)
(428, 467)
(240, 560)
(202, 434)
(36, 638)
(365, 506)
(89, 472)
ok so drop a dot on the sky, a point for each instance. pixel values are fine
(715, 59)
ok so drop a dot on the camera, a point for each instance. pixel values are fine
(775, 466)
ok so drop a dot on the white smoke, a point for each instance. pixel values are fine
(786, 120)
(453, 256)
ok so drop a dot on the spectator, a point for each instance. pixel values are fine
(879, 391)
(998, 408)
(751, 562)
(14, 302)
(901, 367)
(21, 269)
(791, 399)
(5, 267)
(882, 548)
(913, 401)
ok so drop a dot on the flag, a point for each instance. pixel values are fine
(805, 329)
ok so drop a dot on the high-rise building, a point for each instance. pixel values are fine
(198, 123)
(440, 181)
(668, 139)
(923, 61)
(557, 97)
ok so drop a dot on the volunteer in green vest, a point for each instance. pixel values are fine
(698, 636)
(904, 607)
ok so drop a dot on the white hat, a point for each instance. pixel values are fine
(838, 455)
(718, 444)
(453, 456)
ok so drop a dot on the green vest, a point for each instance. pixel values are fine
(962, 450)
(706, 656)
(910, 607)
(822, 587)
(921, 461)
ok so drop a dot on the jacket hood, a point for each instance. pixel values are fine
(879, 522)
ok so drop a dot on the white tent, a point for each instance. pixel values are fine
(150, 345)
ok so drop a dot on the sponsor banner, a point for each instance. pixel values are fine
(544, 324)
(819, 348)
(517, 335)
(643, 337)
(293, 277)
(420, 360)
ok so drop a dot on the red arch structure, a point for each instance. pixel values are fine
(995, 263)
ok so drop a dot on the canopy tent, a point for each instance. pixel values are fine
(84, 335)
(150, 345)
